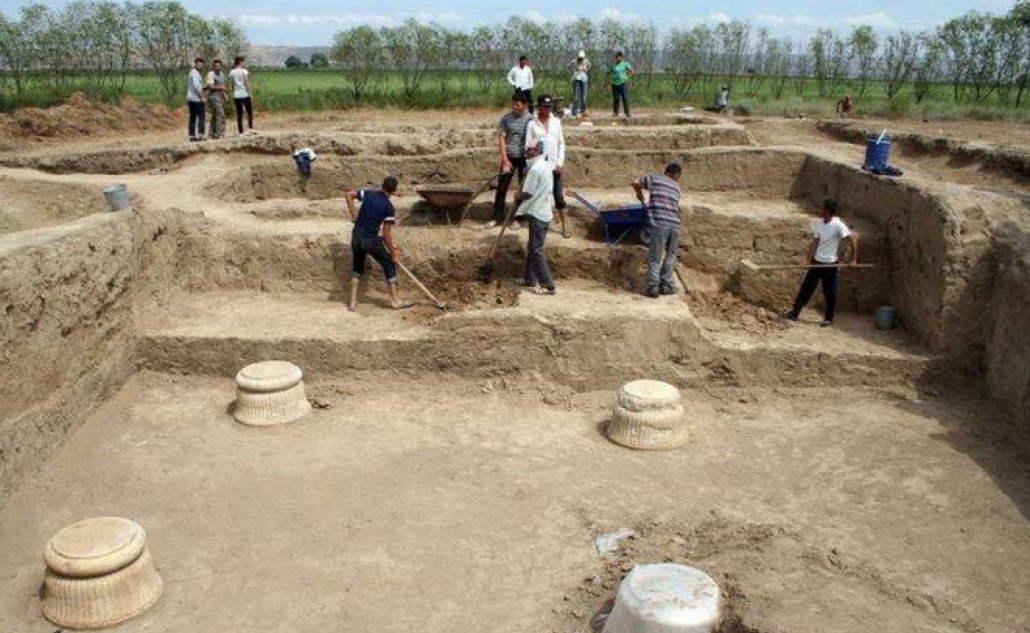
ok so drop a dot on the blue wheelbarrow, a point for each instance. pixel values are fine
(617, 222)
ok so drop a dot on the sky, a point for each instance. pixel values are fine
(313, 22)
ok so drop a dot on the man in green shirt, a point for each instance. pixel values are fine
(619, 75)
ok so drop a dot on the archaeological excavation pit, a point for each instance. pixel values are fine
(454, 471)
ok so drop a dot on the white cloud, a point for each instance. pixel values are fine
(796, 19)
(719, 17)
(876, 20)
(295, 19)
(447, 17)
(612, 13)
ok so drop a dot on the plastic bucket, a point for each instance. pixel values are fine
(886, 318)
(877, 152)
(117, 197)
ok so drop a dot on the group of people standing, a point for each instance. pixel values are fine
(619, 74)
(211, 91)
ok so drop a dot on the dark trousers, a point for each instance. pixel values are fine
(528, 94)
(830, 279)
(559, 192)
(376, 247)
(537, 271)
(518, 166)
(620, 92)
(242, 104)
(579, 97)
(196, 118)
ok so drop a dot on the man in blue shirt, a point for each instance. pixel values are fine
(376, 214)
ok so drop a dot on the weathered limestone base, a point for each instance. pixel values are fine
(648, 415)
(269, 393)
(99, 574)
(665, 598)
(270, 408)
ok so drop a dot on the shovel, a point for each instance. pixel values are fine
(439, 304)
(486, 272)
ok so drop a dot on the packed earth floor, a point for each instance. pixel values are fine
(455, 474)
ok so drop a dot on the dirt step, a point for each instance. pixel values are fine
(585, 332)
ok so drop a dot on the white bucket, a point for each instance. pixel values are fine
(665, 598)
(117, 197)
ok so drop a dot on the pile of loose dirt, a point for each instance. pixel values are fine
(752, 563)
(466, 295)
(83, 116)
(733, 313)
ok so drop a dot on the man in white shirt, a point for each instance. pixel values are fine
(546, 127)
(536, 207)
(825, 249)
(241, 94)
(195, 100)
(521, 79)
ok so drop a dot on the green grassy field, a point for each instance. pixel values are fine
(308, 90)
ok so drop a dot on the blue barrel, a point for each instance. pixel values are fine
(117, 197)
(877, 152)
(886, 318)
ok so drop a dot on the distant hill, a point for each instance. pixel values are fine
(275, 56)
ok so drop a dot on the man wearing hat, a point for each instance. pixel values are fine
(580, 77)
(546, 127)
(824, 249)
(536, 207)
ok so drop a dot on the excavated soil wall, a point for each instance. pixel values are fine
(67, 296)
(1007, 347)
(413, 143)
(939, 248)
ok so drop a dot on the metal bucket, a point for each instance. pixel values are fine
(117, 197)
(886, 318)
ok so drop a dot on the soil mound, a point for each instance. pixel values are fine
(83, 116)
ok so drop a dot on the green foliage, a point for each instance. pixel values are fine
(294, 63)
(318, 60)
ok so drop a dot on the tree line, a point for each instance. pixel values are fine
(95, 46)
(980, 56)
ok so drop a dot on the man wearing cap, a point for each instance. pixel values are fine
(580, 77)
(827, 236)
(547, 128)
(663, 224)
(511, 141)
(535, 205)
(520, 77)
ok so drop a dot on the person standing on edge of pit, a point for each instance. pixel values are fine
(241, 94)
(619, 76)
(521, 79)
(824, 249)
(544, 126)
(195, 100)
(580, 82)
(511, 142)
(844, 106)
(376, 213)
(215, 87)
(663, 222)
(722, 102)
(536, 205)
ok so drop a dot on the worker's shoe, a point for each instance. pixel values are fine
(666, 289)
(652, 292)
(826, 323)
(790, 315)
(489, 225)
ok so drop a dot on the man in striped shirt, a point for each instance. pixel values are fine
(664, 219)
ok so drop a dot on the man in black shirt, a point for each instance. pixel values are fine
(376, 213)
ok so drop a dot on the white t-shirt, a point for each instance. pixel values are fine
(829, 235)
(553, 137)
(539, 185)
(239, 83)
(194, 87)
(521, 78)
